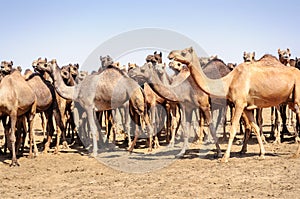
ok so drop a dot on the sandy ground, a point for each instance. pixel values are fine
(74, 174)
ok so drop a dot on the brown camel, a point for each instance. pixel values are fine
(101, 91)
(179, 91)
(248, 88)
(46, 103)
(17, 99)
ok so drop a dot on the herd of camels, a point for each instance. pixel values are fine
(148, 99)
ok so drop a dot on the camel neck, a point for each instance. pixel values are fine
(214, 87)
(62, 89)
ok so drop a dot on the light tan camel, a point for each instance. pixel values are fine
(248, 88)
(101, 91)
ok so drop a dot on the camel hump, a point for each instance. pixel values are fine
(268, 57)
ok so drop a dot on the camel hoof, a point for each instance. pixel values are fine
(242, 152)
(277, 141)
(14, 163)
(56, 150)
(261, 157)
(65, 145)
(218, 155)
(224, 160)
(179, 155)
(171, 145)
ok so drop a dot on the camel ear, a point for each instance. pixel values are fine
(155, 53)
(253, 54)
(11, 62)
(100, 58)
(77, 65)
(245, 53)
(39, 58)
(278, 50)
(128, 63)
(190, 49)
(53, 61)
(45, 59)
(160, 54)
(288, 50)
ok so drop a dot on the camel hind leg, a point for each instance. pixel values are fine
(297, 154)
(251, 119)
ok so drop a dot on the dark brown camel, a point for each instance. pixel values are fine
(248, 88)
(47, 103)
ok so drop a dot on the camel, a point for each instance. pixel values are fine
(81, 76)
(284, 57)
(248, 88)
(179, 91)
(231, 66)
(156, 112)
(155, 58)
(249, 57)
(47, 104)
(99, 92)
(16, 100)
(215, 69)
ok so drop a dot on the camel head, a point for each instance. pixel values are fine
(284, 55)
(73, 69)
(37, 62)
(106, 61)
(6, 67)
(160, 68)
(155, 58)
(131, 66)
(249, 57)
(46, 67)
(141, 74)
(65, 73)
(231, 66)
(116, 64)
(297, 63)
(185, 56)
(81, 76)
(176, 66)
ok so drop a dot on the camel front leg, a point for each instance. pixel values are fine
(297, 111)
(235, 122)
(186, 124)
(93, 129)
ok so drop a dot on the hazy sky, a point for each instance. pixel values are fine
(69, 30)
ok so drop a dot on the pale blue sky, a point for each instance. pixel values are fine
(69, 30)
